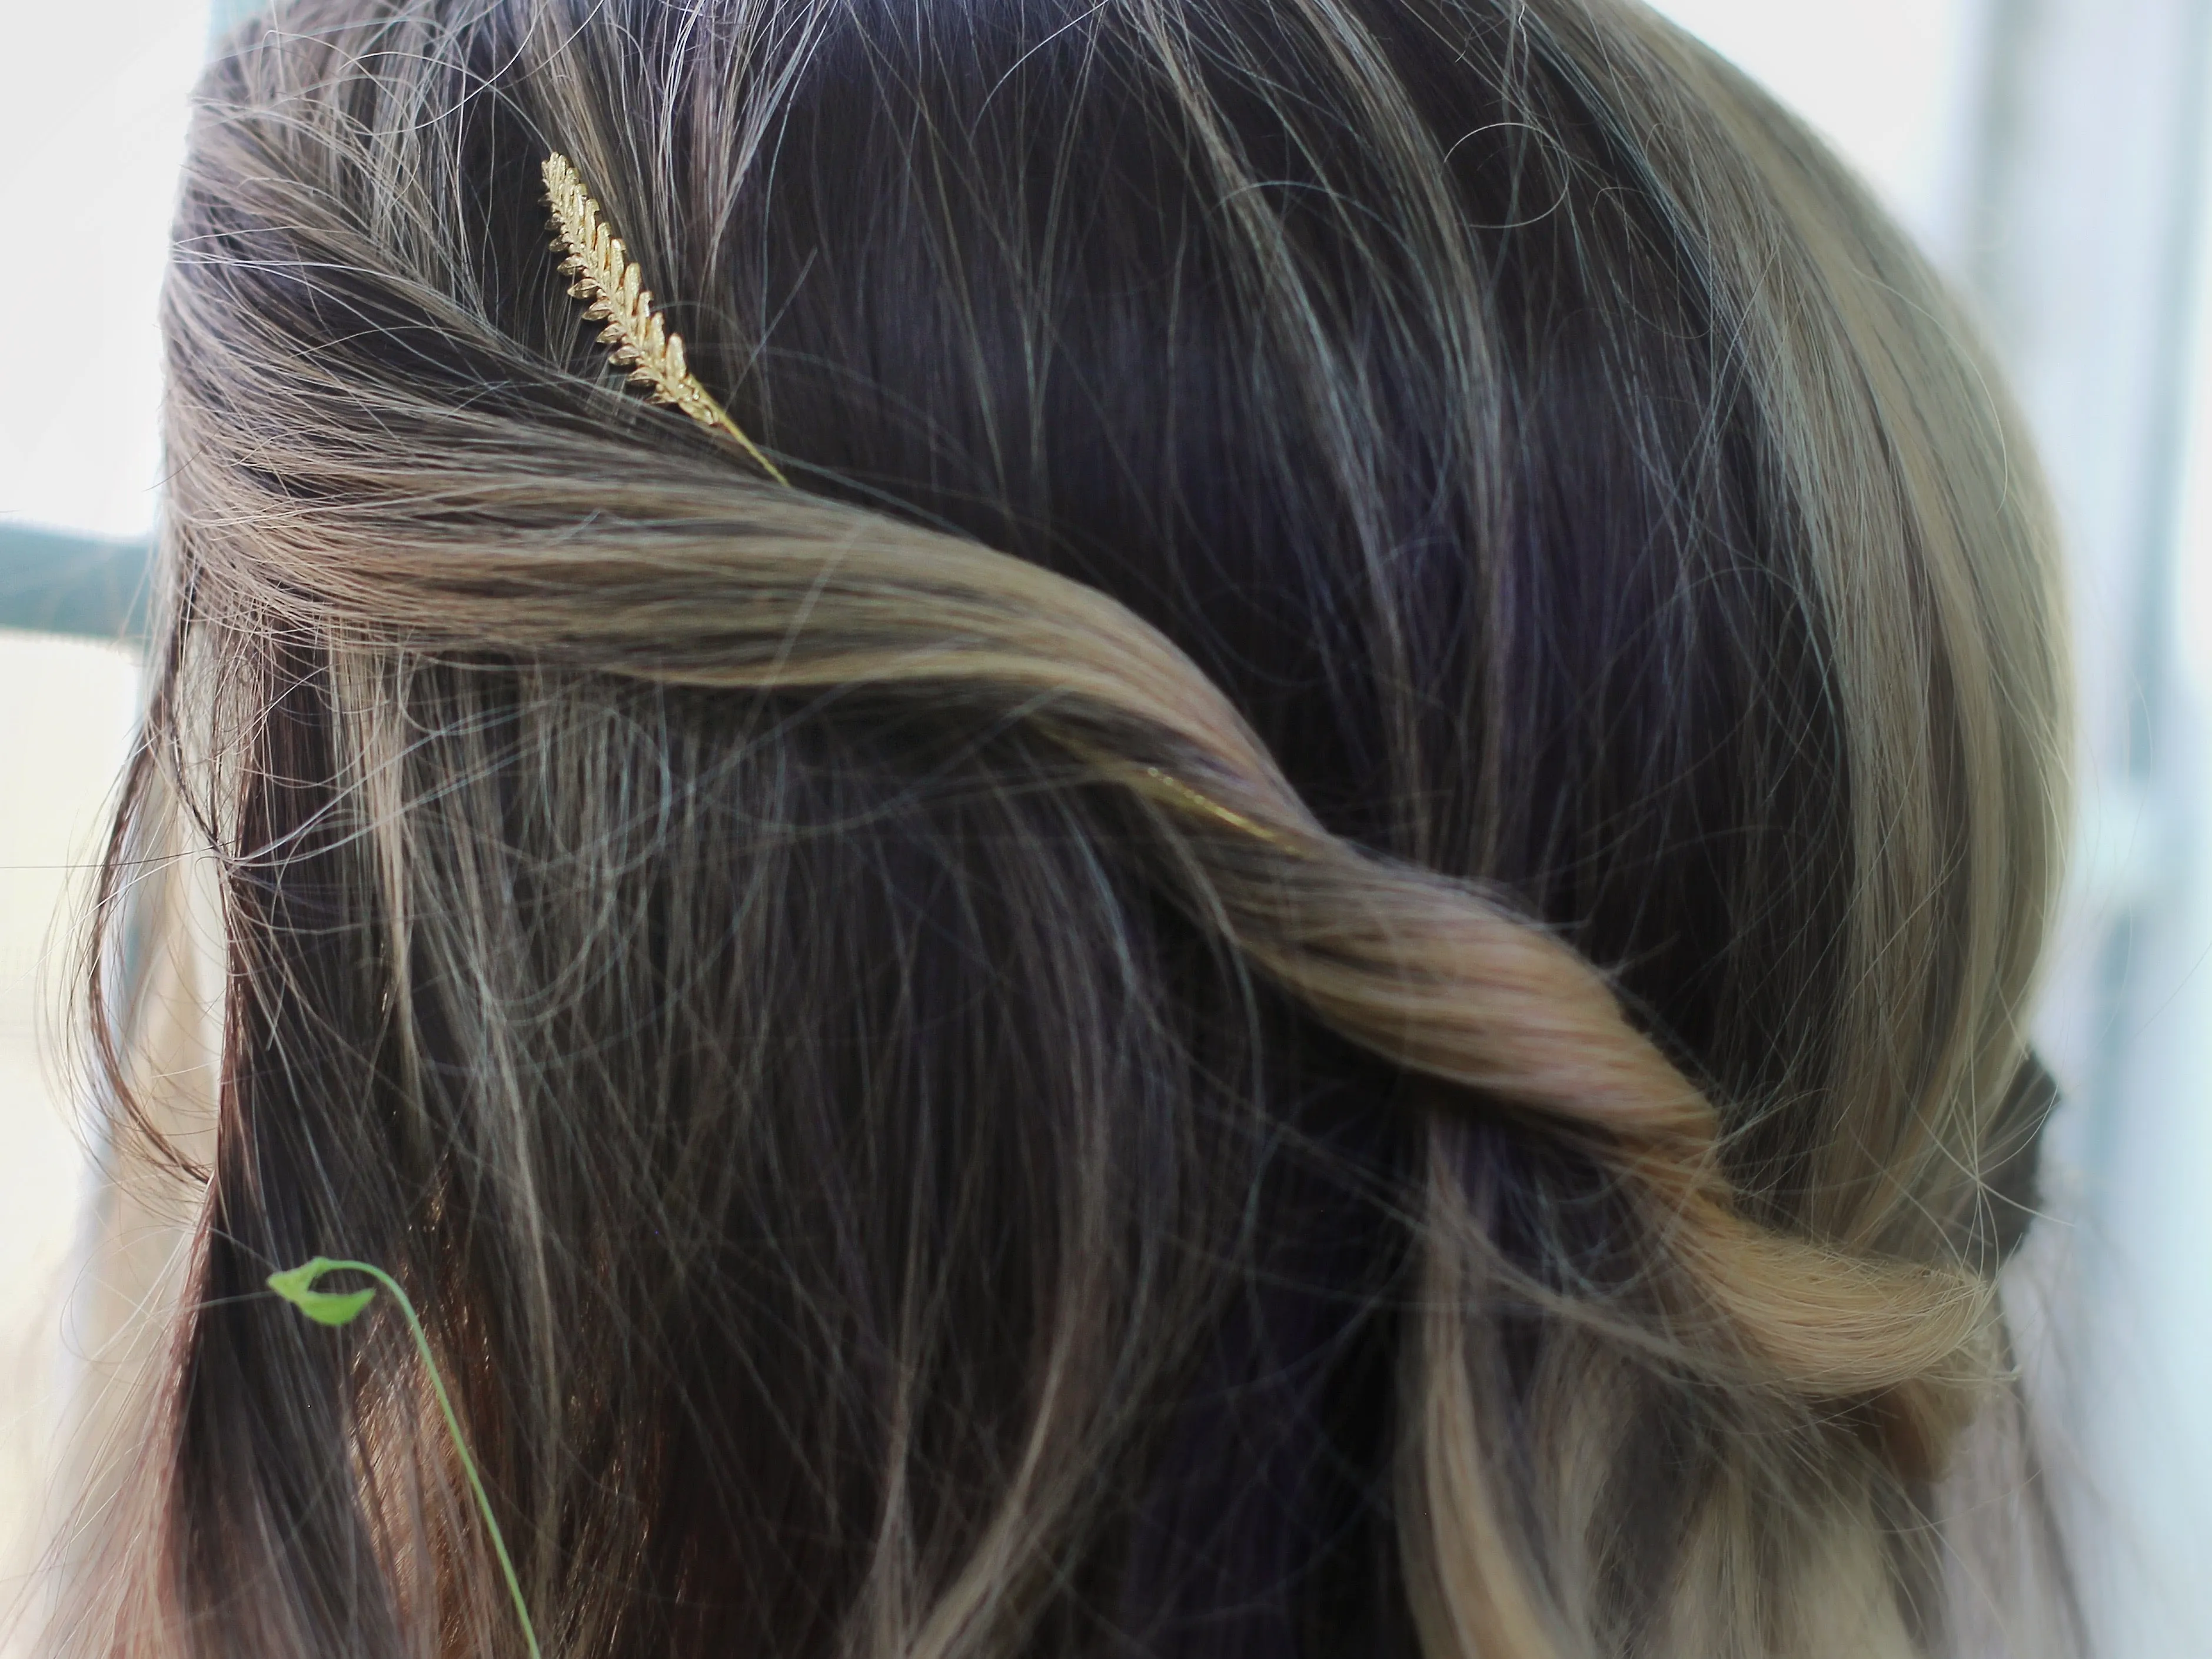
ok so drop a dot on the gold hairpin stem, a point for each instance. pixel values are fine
(601, 270)
(1197, 801)
(1164, 786)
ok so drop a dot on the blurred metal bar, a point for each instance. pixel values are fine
(52, 582)
(224, 16)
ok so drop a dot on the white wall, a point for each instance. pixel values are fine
(66, 712)
(1890, 82)
(92, 128)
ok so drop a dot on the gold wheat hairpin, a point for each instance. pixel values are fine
(602, 271)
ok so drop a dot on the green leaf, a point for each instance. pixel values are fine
(296, 1286)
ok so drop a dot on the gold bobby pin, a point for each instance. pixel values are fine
(605, 274)
(1164, 786)
(1205, 803)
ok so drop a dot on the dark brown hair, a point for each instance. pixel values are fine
(1317, 949)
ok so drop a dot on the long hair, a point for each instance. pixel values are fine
(1318, 947)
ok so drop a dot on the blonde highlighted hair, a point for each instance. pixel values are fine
(1319, 945)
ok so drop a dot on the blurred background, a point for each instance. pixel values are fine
(2050, 156)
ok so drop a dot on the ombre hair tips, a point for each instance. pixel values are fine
(1317, 944)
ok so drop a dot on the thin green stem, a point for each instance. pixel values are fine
(460, 1445)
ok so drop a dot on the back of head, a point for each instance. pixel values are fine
(1311, 938)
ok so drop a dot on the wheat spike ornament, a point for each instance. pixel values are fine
(601, 270)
